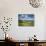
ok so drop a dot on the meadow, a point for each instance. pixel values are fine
(26, 22)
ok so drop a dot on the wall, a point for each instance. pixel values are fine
(11, 8)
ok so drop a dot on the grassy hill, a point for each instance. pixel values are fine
(26, 23)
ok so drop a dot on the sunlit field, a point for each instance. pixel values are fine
(26, 23)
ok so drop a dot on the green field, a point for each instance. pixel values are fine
(26, 23)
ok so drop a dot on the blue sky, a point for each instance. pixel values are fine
(26, 17)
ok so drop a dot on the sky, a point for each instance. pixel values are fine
(26, 17)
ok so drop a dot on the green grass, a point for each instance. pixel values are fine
(26, 23)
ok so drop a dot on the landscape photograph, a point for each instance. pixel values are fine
(25, 19)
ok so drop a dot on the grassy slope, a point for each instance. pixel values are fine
(26, 23)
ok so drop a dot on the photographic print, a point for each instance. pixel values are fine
(25, 19)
